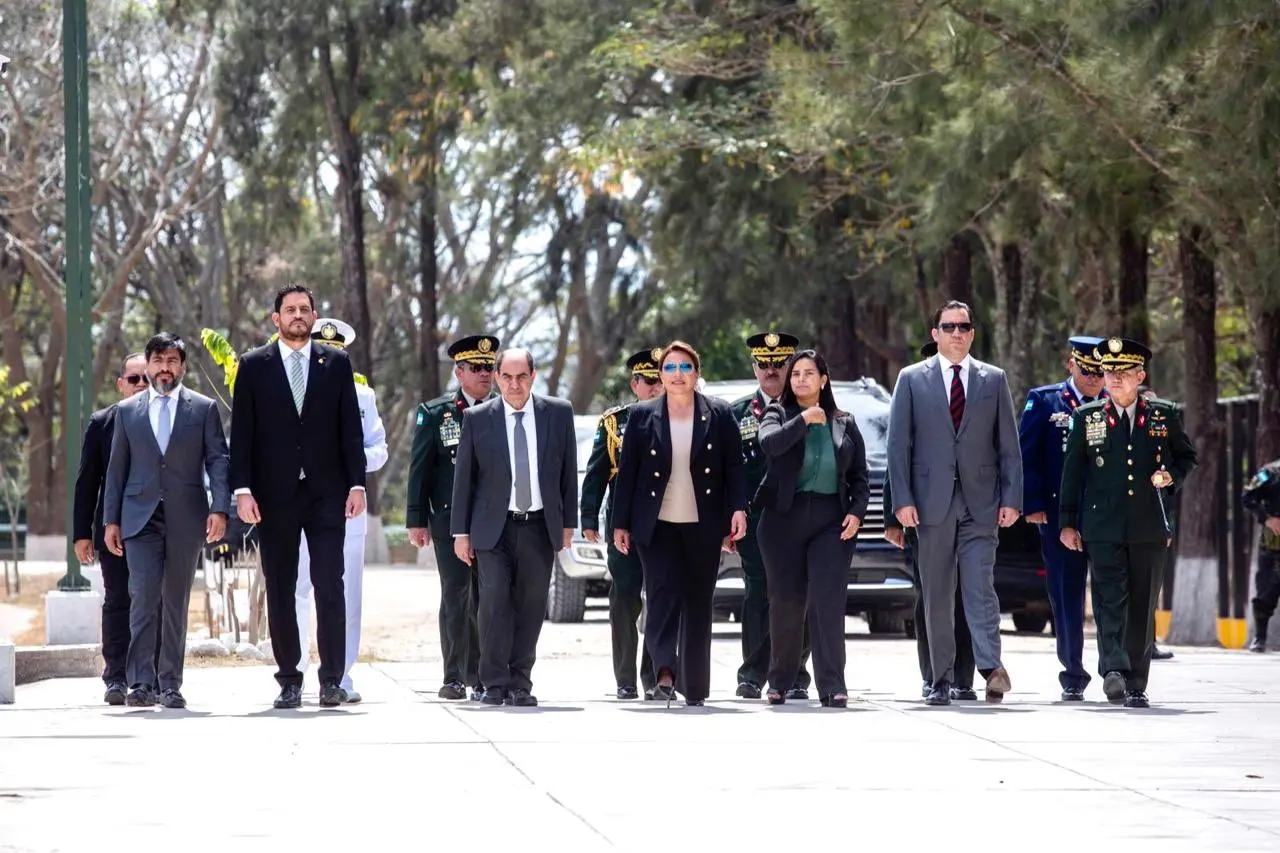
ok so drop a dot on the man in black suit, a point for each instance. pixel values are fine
(87, 535)
(297, 464)
(515, 492)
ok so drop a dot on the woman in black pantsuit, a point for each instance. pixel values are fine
(814, 496)
(680, 495)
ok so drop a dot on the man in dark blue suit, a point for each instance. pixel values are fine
(1043, 434)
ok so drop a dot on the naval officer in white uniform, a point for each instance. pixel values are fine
(336, 333)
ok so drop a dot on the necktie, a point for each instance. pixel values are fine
(524, 493)
(957, 397)
(1087, 399)
(1125, 427)
(296, 383)
(164, 426)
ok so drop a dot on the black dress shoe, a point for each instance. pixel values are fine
(1158, 653)
(798, 693)
(628, 693)
(140, 697)
(331, 695)
(494, 696)
(964, 694)
(452, 690)
(925, 690)
(1255, 645)
(694, 703)
(1136, 699)
(1073, 694)
(939, 694)
(648, 694)
(290, 697)
(1113, 687)
(115, 694)
(748, 690)
(521, 698)
(477, 690)
(171, 698)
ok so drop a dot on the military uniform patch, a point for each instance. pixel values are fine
(1062, 420)
(450, 430)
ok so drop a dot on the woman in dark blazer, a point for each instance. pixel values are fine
(680, 495)
(814, 496)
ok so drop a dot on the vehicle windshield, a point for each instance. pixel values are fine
(866, 401)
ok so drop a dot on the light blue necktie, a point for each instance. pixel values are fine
(162, 430)
(296, 382)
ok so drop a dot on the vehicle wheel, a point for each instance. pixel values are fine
(1030, 623)
(567, 597)
(882, 622)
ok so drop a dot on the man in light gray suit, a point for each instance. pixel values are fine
(154, 504)
(955, 470)
(515, 498)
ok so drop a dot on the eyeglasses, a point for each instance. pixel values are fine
(766, 364)
(135, 378)
(672, 367)
(647, 380)
(951, 327)
(479, 368)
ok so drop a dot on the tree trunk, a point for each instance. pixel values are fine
(1195, 595)
(836, 339)
(1135, 323)
(428, 293)
(1266, 335)
(957, 270)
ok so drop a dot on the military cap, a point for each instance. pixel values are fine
(772, 346)
(1117, 355)
(1082, 350)
(478, 349)
(929, 350)
(646, 363)
(333, 332)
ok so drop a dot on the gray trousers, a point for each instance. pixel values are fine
(959, 549)
(162, 566)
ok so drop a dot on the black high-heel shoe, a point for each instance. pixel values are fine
(776, 697)
(839, 700)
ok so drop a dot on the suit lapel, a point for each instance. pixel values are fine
(837, 436)
(977, 379)
(498, 422)
(142, 418)
(701, 422)
(542, 429)
(315, 375)
(182, 416)
(281, 371)
(664, 429)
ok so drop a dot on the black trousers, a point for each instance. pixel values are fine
(1266, 584)
(514, 580)
(115, 614)
(1126, 587)
(323, 517)
(965, 666)
(757, 650)
(681, 563)
(626, 582)
(459, 608)
(807, 564)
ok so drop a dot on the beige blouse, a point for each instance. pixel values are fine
(679, 505)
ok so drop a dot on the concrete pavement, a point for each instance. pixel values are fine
(405, 771)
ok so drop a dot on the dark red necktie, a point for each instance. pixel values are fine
(957, 397)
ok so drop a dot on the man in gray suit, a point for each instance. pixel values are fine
(515, 495)
(955, 469)
(154, 504)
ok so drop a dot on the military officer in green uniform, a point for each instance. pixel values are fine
(1125, 457)
(624, 569)
(769, 354)
(435, 444)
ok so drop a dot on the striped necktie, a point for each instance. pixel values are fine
(296, 381)
(957, 397)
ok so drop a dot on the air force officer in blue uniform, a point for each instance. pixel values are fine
(1043, 433)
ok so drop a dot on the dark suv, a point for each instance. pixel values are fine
(880, 585)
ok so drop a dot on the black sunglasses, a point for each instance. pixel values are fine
(647, 380)
(951, 327)
(765, 364)
(136, 379)
(479, 368)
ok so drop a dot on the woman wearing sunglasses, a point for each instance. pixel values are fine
(680, 495)
(814, 496)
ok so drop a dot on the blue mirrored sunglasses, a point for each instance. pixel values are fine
(683, 367)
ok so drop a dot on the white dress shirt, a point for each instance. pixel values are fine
(153, 408)
(286, 352)
(531, 435)
(946, 364)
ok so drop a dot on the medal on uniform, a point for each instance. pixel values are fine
(450, 430)
(1099, 462)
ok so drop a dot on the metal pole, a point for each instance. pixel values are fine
(78, 272)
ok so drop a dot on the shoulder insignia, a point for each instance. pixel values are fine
(613, 411)
(1031, 404)
(422, 416)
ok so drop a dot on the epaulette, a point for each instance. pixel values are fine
(607, 412)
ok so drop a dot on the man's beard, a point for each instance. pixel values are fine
(286, 332)
(164, 386)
